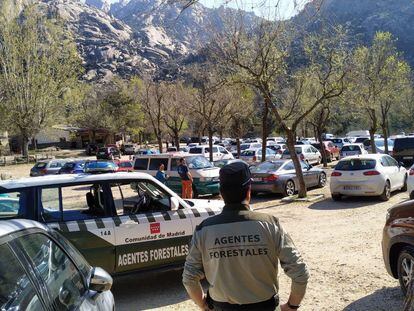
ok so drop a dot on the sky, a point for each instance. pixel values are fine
(271, 9)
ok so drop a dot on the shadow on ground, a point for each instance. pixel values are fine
(345, 203)
(148, 291)
(385, 299)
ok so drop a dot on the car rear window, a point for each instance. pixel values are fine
(404, 143)
(40, 165)
(247, 153)
(351, 148)
(317, 146)
(196, 150)
(355, 165)
(269, 166)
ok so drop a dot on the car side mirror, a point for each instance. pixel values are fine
(175, 204)
(100, 280)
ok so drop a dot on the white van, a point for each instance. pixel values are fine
(205, 175)
(219, 152)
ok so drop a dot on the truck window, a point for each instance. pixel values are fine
(76, 202)
(156, 162)
(135, 197)
(141, 164)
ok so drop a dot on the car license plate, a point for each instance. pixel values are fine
(406, 158)
(352, 187)
(257, 179)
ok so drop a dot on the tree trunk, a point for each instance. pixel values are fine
(177, 140)
(323, 151)
(372, 137)
(264, 128)
(25, 145)
(291, 139)
(384, 126)
(210, 143)
(159, 139)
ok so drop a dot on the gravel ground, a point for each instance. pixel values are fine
(340, 241)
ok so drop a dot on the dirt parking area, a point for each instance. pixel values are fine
(340, 241)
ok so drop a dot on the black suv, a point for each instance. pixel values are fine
(403, 150)
(108, 153)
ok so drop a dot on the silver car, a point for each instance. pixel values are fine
(41, 270)
(280, 177)
(47, 167)
(252, 156)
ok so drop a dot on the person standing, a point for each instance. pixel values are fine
(186, 180)
(238, 252)
(161, 175)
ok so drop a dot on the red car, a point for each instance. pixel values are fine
(124, 166)
(332, 151)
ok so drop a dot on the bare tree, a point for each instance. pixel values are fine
(257, 57)
(153, 95)
(176, 112)
(211, 101)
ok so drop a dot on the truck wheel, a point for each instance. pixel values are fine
(405, 267)
(195, 193)
(386, 194)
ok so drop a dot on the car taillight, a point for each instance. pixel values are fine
(411, 173)
(371, 173)
(254, 158)
(336, 174)
(272, 177)
(302, 157)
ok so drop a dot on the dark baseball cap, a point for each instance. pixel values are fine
(235, 174)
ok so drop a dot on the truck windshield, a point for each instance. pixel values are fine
(198, 162)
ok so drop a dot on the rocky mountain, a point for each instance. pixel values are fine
(363, 18)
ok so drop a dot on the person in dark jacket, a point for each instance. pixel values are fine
(239, 251)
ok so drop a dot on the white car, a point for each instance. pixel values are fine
(219, 152)
(306, 153)
(368, 175)
(351, 150)
(252, 156)
(340, 142)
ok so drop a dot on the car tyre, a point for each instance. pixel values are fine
(336, 197)
(405, 266)
(386, 194)
(404, 187)
(289, 188)
(195, 193)
(322, 180)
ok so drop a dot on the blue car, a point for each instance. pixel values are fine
(97, 167)
(73, 167)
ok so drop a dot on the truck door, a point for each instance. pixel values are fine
(80, 213)
(148, 234)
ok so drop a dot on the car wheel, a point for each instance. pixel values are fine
(195, 193)
(289, 188)
(330, 159)
(405, 267)
(386, 194)
(412, 195)
(322, 180)
(404, 187)
(336, 197)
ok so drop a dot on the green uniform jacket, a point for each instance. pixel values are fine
(238, 252)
